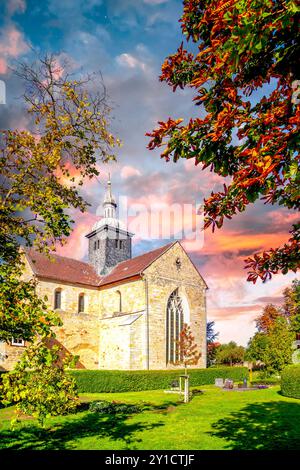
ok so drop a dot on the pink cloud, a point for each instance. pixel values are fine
(234, 311)
(3, 66)
(77, 245)
(128, 171)
(12, 45)
(280, 218)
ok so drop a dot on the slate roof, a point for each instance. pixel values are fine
(72, 271)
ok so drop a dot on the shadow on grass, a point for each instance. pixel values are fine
(62, 436)
(261, 426)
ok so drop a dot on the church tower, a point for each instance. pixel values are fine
(109, 241)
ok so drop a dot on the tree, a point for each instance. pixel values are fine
(68, 135)
(267, 319)
(273, 343)
(188, 353)
(43, 390)
(257, 346)
(291, 306)
(279, 350)
(242, 46)
(211, 337)
(230, 354)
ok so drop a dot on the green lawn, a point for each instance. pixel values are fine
(217, 419)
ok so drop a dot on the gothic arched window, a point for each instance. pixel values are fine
(81, 303)
(57, 299)
(175, 320)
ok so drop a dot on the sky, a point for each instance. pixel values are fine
(128, 40)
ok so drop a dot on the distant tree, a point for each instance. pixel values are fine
(267, 319)
(277, 326)
(291, 306)
(279, 350)
(188, 353)
(212, 345)
(230, 354)
(244, 130)
(256, 348)
(211, 334)
(211, 353)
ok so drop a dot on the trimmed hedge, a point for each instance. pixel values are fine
(290, 381)
(97, 381)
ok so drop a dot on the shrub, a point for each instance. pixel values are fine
(107, 407)
(97, 381)
(290, 381)
(101, 407)
(266, 381)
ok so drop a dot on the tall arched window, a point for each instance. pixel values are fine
(175, 321)
(81, 303)
(119, 301)
(57, 299)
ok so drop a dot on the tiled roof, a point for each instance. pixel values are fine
(62, 269)
(71, 270)
(134, 266)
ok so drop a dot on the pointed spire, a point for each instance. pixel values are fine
(109, 198)
(109, 202)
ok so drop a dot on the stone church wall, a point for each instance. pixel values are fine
(79, 336)
(132, 294)
(122, 343)
(163, 277)
(10, 355)
(122, 346)
(69, 296)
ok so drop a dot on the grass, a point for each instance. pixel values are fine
(218, 419)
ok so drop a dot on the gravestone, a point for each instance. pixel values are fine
(219, 383)
(174, 385)
(228, 384)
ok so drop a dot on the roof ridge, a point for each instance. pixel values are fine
(28, 250)
(120, 266)
(146, 253)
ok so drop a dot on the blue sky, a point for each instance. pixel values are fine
(127, 40)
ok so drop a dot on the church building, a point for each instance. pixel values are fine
(119, 311)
